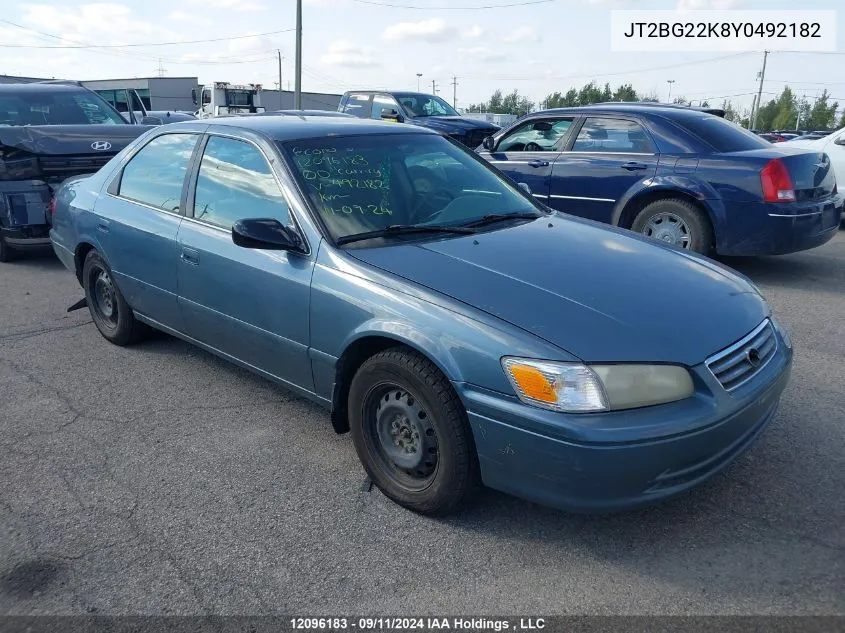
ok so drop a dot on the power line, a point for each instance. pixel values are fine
(84, 46)
(523, 3)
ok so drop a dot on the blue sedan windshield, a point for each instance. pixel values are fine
(366, 183)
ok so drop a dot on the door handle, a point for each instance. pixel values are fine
(538, 163)
(632, 166)
(190, 256)
(103, 226)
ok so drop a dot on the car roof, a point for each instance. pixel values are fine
(668, 111)
(287, 128)
(41, 87)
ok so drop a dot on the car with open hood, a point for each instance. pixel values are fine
(463, 332)
(49, 132)
(416, 108)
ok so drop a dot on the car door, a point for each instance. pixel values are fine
(382, 102)
(527, 152)
(250, 304)
(835, 149)
(138, 221)
(606, 157)
(358, 104)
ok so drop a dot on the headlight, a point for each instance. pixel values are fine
(576, 388)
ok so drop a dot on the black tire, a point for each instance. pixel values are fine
(454, 473)
(112, 315)
(6, 253)
(698, 230)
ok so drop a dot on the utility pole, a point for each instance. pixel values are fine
(281, 107)
(455, 92)
(762, 75)
(297, 92)
(433, 87)
(419, 76)
(161, 69)
(670, 82)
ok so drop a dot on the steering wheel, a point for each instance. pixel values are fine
(533, 147)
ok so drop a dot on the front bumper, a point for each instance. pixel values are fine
(23, 213)
(778, 229)
(622, 459)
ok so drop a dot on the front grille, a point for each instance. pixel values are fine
(742, 361)
(61, 167)
(473, 138)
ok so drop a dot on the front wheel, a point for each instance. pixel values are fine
(677, 222)
(6, 254)
(411, 433)
(109, 310)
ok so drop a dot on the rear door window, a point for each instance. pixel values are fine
(612, 135)
(358, 105)
(156, 174)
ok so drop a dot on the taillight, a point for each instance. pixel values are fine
(777, 184)
(52, 206)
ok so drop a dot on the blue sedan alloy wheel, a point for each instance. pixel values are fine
(411, 432)
(676, 222)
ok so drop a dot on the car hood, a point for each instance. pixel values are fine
(453, 124)
(598, 293)
(70, 139)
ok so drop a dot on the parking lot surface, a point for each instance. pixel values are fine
(157, 479)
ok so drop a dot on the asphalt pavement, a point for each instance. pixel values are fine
(157, 479)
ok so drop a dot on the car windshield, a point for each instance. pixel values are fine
(60, 107)
(360, 184)
(422, 105)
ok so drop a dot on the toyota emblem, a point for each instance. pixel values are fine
(101, 146)
(753, 356)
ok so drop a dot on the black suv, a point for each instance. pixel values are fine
(49, 132)
(416, 108)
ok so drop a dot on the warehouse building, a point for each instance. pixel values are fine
(175, 93)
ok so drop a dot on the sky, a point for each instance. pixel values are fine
(536, 48)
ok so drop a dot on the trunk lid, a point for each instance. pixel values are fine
(811, 171)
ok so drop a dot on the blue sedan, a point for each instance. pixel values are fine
(675, 174)
(460, 330)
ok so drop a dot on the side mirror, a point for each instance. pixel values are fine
(151, 120)
(194, 95)
(488, 143)
(392, 115)
(840, 140)
(524, 187)
(268, 234)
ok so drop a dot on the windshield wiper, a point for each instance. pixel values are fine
(490, 218)
(397, 229)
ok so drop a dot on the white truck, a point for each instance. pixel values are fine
(222, 98)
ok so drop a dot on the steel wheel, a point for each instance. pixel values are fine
(105, 299)
(402, 436)
(669, 228)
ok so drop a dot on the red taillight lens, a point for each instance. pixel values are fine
(777, 184)
(52, 206)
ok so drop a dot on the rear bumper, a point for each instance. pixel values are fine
(778, 229)
(23, 213)
(607, 475)
(26, 237)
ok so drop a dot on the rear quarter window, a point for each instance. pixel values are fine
(720, 134)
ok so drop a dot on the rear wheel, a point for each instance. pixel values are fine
(109, 310)
(411, 433)
(677, 222)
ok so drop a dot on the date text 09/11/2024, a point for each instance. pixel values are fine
(416, 623)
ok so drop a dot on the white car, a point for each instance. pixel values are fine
(834, 146)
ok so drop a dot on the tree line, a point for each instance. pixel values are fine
(785, 112)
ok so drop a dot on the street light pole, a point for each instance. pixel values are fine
(297, 91)
(281, 106)
(670, 82)
(419, 76)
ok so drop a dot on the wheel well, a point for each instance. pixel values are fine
(347, 366)
(79, 258)
(626, 220)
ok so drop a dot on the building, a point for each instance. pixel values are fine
(157, 93)
(176, 93)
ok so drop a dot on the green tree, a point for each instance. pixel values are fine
(625, 92)
(514, 103)
(731, 113)
(822, 114)
(495, 103)
(786, 110)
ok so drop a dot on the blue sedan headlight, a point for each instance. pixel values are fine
(577, 388)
